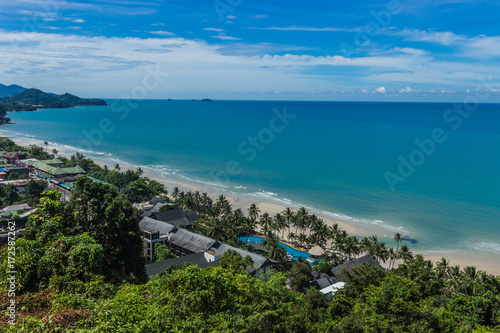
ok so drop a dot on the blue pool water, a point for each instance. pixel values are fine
(289, 250)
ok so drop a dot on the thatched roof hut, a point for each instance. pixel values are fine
(316, 251)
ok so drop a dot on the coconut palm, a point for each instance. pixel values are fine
(280, 224)
(442, 267)
(54, 151)
(266, 221)
(175, 193)
(139, 171)
(117, 167)
(398, 238)
(351, 247)
(454, 277)
(405, 253)
(253, 212)
(470, 279)
(289, 216)
(248, 226)
(46, 145)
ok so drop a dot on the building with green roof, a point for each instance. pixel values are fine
(53, 170)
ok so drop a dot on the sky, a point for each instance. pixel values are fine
(395, 50)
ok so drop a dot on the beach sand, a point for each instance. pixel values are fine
(488, 264)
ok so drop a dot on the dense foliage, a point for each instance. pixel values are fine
(80, 268)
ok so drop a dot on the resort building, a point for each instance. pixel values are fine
(54, 169)
(190, 247)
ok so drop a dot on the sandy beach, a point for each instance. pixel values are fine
(488, 264)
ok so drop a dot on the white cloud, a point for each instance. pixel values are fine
(406, 90)
(78, 21)
(117, 63)
(260, 16)
(157, 24)
(162, 33)
(231, 17)
(224, 37)
(444, 38)
(296, 28)
(214, 29)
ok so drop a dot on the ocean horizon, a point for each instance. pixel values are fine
(426, 170)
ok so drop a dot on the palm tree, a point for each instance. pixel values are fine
(398, 238)
(392, 257)
(442, 267)
(117, 167)
(302, 239)
(289, 217)
(405, 253)
(471, 276)
(139, 171)
(249, 226)
(46, 145)
(351, 247)
(266, 221)
(253, 212)
(280, 224)
(54, 151)
(455, 275)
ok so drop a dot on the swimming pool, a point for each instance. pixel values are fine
(289, 250)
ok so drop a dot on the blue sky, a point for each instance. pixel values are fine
(441, 50)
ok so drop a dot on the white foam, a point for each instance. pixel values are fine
(485, 246)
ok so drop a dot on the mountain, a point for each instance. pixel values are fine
(37, 97)
(31, 99)
(8, 91)
(75, 100)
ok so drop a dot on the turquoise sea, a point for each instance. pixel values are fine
(340, 158)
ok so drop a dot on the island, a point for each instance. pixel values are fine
(206, 100)
(33, 99)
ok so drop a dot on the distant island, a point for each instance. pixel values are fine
(206, 100)
(17, 98)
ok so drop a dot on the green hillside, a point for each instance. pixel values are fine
(32, 99)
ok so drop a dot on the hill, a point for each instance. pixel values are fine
(9, 91)
(31, 99)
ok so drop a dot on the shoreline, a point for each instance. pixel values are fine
(481, 262)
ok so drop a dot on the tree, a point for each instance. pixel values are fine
(11, 194)
(46, 145)
(280, 223)
(398, 238)
(299, 276)
(34, 188)
(405, 252)
(108, 218)
(162, 252)
(253, 212)
(14, 176)
(249, 226)
(55, 151)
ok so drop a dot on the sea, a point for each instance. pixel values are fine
(430, 171)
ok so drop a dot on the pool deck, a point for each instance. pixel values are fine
(298, 248)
